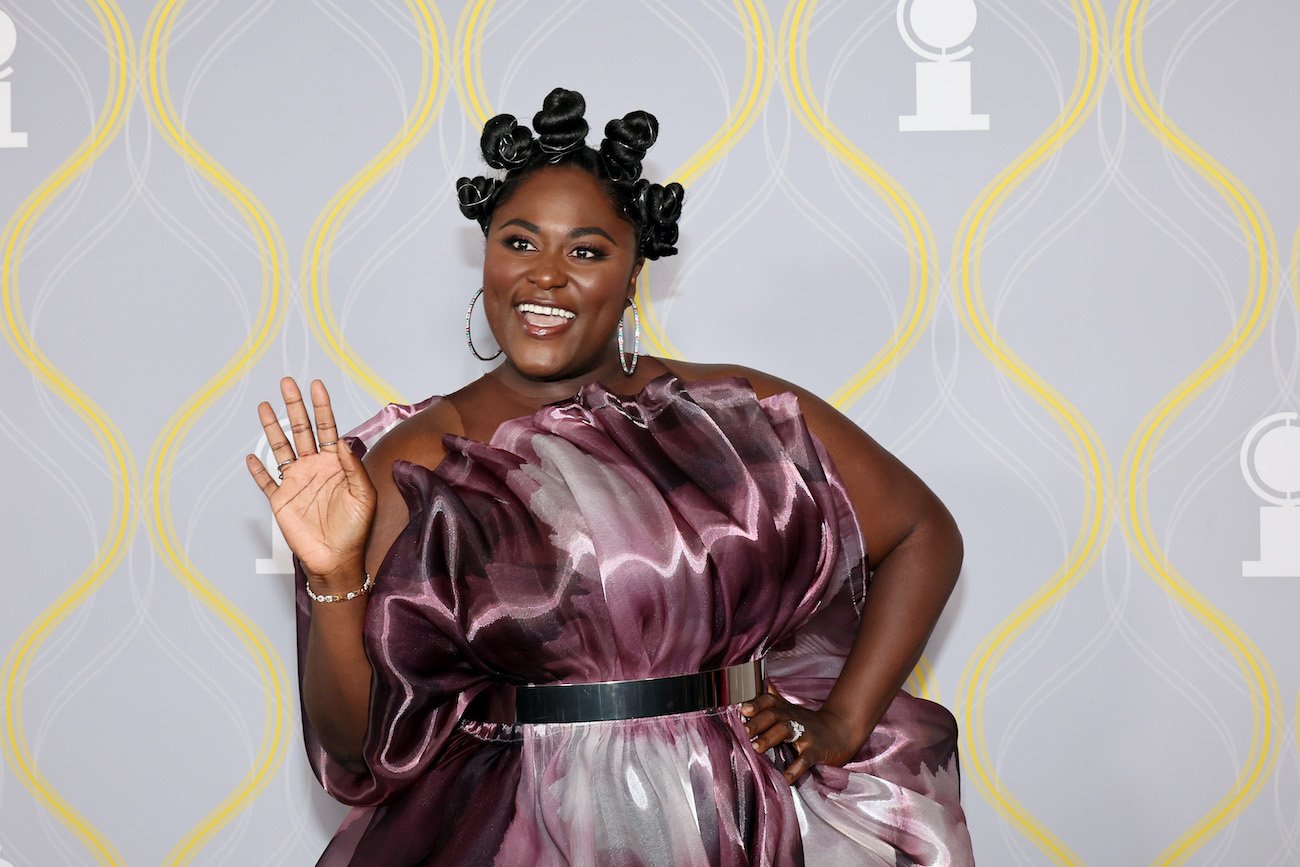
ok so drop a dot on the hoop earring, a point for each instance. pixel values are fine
(469, 338)
(629, 369)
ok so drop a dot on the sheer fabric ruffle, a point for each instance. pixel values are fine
(686, 528)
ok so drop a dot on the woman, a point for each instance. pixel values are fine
(581, 515)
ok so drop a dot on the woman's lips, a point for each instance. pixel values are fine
(543, 320)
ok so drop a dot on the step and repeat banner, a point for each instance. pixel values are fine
(1043, 250)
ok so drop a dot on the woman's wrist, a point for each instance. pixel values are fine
(854, 726)
(366, 584)
(339, 581)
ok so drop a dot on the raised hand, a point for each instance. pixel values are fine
(324, 502)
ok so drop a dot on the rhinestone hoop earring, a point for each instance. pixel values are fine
(629, 369)
(469, 338)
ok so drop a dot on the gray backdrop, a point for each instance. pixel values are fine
(1069, 323)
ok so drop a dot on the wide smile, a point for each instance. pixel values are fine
(544, 320)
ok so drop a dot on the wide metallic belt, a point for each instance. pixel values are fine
(618, 699)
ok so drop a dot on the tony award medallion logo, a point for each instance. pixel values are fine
(937, 30)
(8, 41)
(1270, 462)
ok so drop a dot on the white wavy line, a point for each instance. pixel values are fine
(1286, 815)
(191, 241)
(360, 33)
(1184, 175)
(1214, 656)
(78, 15)
(415, 226)
(206, 255)
(1173, 674)
(1287, 378)
(1035, 186)
(703, 189)
(1205, 705)
(217, 206)
(75, 625)
(375, 201)
(536, 41)
(198, 670)
(373, 206)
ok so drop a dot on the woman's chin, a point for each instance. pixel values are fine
(552, 367)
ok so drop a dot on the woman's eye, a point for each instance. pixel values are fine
(520, 244)
(588, 253)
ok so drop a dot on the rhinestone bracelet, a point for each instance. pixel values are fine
(346, 597)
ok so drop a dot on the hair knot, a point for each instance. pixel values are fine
(506, 144)
(626, 141)
(561, 127)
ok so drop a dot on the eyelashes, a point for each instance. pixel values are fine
(584, 252)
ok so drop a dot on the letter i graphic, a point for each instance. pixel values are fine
(8, 40)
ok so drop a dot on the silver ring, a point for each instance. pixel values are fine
(796, 730)
(330, 443)
(280, 466)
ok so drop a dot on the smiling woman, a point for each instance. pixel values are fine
(560, 270)
(600, 609)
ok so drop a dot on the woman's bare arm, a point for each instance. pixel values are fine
(915, 551)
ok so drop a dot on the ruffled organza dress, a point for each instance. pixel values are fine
(687, 528)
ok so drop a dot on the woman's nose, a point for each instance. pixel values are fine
(547, 272)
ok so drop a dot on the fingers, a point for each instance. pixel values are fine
(304, 438)
(327, 432)
(801, 765)
(768, 717)
(769, 728)
(274, 433)
(768, 720)
(258, 471)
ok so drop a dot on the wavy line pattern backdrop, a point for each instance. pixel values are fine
(1067, 323)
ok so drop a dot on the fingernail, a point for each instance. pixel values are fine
(746, 708)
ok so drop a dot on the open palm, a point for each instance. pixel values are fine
(324, 503)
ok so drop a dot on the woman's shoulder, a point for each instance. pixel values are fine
(416, 437)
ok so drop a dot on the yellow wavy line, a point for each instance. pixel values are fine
(121, 463)
(163, 456)
(320, 243)
(470, 29)
(923, 277)
(1250, 323)
(754, 88)
(921, 681)
(1094, 463)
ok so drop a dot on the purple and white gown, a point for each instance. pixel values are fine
(687, 528)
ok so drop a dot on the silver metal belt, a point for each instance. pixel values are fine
(618, 699)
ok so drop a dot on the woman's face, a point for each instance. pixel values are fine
(559, 268)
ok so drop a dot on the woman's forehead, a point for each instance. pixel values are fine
(562, 196)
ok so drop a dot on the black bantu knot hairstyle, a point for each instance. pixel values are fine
(561, 140)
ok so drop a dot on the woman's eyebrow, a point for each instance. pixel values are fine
(592, 230)
(573, 233)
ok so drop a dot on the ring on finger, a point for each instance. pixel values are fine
(330, 443)
(796, 730)
(280, 466)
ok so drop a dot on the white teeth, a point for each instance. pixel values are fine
(544, 310)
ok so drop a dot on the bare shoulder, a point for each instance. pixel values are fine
(417, 439)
